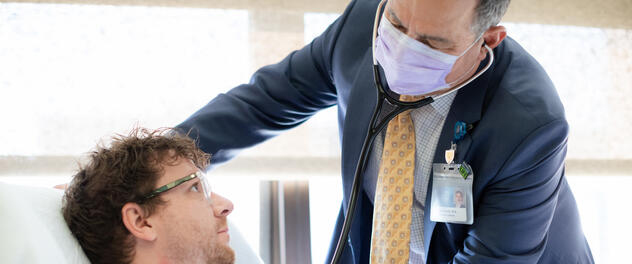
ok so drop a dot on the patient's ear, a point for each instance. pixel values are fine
(135, 221)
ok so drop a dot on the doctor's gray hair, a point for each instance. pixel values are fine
(488, 13)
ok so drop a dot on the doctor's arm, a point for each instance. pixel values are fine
(516, 207)
(278, 97)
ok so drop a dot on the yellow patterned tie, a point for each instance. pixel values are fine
(390, 241)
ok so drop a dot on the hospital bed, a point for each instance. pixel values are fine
(32, 229)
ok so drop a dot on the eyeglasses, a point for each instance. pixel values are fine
(206, 188)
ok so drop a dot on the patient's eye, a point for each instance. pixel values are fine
(195, 187)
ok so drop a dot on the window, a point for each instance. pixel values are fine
(71, 75)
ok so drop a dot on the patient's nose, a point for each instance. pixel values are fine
(221, 206)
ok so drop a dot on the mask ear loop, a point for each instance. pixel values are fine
(460, 79)
(472, 45)
(461, 55)
(489, 64)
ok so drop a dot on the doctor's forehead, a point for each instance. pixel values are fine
(433, 17)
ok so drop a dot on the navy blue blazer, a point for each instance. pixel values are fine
(524, 209)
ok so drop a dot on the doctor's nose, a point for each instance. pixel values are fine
(222, 207)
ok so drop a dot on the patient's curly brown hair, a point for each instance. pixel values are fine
(123, 172)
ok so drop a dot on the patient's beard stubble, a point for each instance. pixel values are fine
(198, 247)
(221, 254)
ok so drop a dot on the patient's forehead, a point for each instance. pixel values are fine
(175, 169)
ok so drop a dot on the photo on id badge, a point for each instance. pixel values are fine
(452, 205)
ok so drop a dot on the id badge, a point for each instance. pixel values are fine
(451, 200)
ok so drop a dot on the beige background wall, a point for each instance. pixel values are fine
(282, 22)
(605, 13)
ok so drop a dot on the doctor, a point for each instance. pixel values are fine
(519, 207)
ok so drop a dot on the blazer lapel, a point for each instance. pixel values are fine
(362, 102)
(466, 107)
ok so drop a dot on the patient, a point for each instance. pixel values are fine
(145, 199)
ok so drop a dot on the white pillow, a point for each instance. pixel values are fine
(33, 230)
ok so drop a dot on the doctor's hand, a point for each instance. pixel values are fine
(62, 186)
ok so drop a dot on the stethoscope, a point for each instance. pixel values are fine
(376, 126)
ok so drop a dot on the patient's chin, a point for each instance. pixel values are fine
(223, 237)
(222, 254)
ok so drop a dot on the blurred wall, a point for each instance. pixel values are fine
(603, 14)
(276, 27)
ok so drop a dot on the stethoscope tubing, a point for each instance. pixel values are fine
(374, 129)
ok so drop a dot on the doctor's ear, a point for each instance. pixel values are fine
(136, 223)
(492, 37)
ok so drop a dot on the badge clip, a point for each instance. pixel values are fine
(450, 153)
(460, 130)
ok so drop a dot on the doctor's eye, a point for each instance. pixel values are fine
(400, 28)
